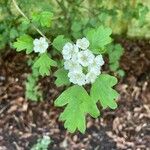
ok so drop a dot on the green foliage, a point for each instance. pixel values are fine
(59, 42)
(44, 18)
(43, 64)
(79, 103)
(99, 38)
(11, 22)
(64, 18)
(102, 90)
(76, 28)
(115, 51)
(24, 43)
(143, 11)
(32, 89)
(42, 143)
(62, 77)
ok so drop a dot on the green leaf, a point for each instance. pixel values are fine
(103, 16)
(32, 89)
(59, 42)
(142, 14)
(13, 33)
(62, 77)
(121, 72)
(24, 25)
(42, 143)
(115, 52)
(43, 64)
(76, 29)
(102, 90)
(76, 26)
(114, 66)
(99, 38)
(44, 18)
(79, 103)
(24, 43)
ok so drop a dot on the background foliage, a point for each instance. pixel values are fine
(129, 17)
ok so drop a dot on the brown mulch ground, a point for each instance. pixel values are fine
(127, 128)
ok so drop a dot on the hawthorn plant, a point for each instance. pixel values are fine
(80, 63)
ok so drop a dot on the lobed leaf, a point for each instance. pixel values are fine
(44, 18)
(102, 90)
(79, 103)
(43, 64)
(99, 38)
(32, 89)
(59, 42)
(24, 43)
(62, 77)
(115, 52)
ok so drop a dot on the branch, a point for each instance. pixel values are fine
(22, 13)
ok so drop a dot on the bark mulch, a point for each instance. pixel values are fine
(22, 122)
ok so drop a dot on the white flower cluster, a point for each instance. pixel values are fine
(83, 66)
(40, 45)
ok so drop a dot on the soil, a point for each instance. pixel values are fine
(22, 122)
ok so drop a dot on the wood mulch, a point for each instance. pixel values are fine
(22, 122)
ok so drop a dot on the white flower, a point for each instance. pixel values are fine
(72, 65)
(83, 43)
(94, 69)
(78, 59)
(69, 50)
(91, 77)
(96, 65)
(75, 49)
(75, 57)
(99, 60)
(40, 45)
(77, 78)
(85, 58)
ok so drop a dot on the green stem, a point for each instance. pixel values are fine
(66, 15)
(22, 13)
(61, 5)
